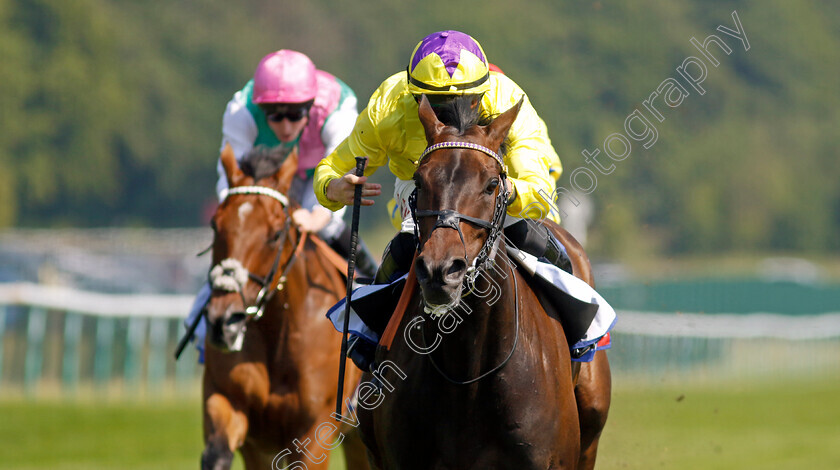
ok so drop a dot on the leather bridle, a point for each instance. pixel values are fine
(449, 218)
(267, 291)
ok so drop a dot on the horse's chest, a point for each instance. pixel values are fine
(478, 428)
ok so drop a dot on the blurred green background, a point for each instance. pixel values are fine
(112, 110)
(111, 119)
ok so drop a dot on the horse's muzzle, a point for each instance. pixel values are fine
(228, 332)
(441, 282)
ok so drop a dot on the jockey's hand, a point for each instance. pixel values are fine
(312, 221)
(342, 189)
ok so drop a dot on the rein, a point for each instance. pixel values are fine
(505, 361)
(449, 218)
(233, 269)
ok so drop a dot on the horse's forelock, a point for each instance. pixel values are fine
(459, 114)
(263, 161)
(462, 116)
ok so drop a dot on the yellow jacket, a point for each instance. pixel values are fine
(389, 131)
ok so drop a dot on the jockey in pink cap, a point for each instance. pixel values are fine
(291, 103)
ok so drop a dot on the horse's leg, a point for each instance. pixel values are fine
(256, 459)
(594, 383)
(224, 432)
(355, 452)
(251, 458)
(371, 461)
(310, 450)
(592, 393)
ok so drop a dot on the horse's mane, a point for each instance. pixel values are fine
(263, 161)
(460, 114)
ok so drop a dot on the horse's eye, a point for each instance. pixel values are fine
(492, 185)
(275, 236)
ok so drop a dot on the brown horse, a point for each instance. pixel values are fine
(489, 383)
(271, 359)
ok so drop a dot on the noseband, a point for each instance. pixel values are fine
(232, 269)
(449, 218)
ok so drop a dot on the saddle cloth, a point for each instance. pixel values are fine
(586, 316)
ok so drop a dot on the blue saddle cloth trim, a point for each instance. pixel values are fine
(586, 316)
(362, 295)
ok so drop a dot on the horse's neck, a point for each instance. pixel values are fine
(486, 333)
(309, 279)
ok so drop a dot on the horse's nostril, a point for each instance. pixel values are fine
(456, 269)
(421, 270)
(235, 318)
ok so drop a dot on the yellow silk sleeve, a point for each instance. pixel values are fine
(530, 155)
(364, 141)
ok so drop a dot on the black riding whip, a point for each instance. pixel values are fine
(188, 334)
(351, 270)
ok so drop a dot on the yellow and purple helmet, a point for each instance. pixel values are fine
(448, 62)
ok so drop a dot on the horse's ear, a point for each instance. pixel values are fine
(287, 171)
(498, 129)
(430, 122)
(231, 166)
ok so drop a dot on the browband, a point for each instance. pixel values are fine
(463, 145)
(261, 190)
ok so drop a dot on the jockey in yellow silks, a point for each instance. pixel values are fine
(389, 131)
(444, 65)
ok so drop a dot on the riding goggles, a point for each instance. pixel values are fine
(293, 115)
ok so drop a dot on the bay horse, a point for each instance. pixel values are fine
(490, 383)
(271, 360)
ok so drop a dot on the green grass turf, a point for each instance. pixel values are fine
(790, 425)
(771, 426)
(88, 436)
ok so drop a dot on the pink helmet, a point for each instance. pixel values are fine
(285, 76)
